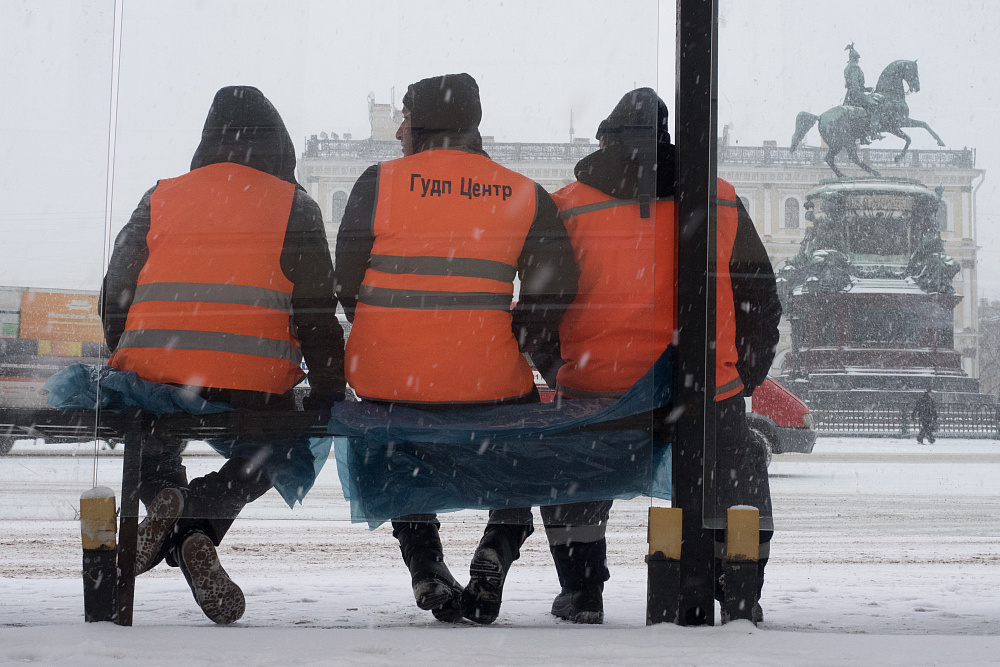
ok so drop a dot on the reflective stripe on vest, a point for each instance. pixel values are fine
(180, 339)
(212, 305)
(624, 314)
(444, 266)
(433, 321)
(210, 293)
(601, 205)
(424, 300)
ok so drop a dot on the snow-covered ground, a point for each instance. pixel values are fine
(886, 553)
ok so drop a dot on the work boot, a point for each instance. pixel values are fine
(217, 595)
(582, 570)
(161, 517)
(434, 588)
(583, 605)
(498, 549)
(757, 613)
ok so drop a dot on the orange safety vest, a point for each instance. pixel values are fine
(433, 322)
(625, 314)
(212, 306)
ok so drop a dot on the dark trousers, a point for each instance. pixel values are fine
(564, 524)
(740, 471)
(926, 431)
(399, 523)
(211, 502)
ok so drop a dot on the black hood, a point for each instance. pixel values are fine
(637, 157)
(445, 112)
(243, 127)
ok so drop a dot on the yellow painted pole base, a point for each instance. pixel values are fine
(742, 533)
(664, 533)
(98, 530)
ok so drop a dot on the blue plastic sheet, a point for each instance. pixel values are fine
(397, 461)
(291, 464)
(83, 386)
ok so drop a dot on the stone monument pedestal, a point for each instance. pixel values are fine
(870, 300)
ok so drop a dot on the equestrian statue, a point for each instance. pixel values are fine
(866, 113)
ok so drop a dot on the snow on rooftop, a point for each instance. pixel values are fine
(872, 185)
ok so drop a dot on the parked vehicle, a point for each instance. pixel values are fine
(779, 421)
(41, 332)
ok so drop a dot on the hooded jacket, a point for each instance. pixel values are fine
(445, 114)
(243, 128)
(619, 170)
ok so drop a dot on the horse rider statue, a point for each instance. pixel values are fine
(858, 94)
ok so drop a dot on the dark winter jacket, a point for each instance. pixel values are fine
(244, 128)
(925, 410)
(445, 113)
(615, 170)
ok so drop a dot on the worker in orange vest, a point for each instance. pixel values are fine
(221, 282)
(427, 256)
(621, 219)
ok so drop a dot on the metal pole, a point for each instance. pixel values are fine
(694, 380)
(129, 519)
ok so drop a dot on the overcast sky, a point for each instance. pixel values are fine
(535, 62)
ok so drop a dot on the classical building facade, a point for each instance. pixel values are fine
(771, 181)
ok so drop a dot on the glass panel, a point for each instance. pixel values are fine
(56, 123)
(886, 281)
(217, 246)
(452, 239)
(884, 285)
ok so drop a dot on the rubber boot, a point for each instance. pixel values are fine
(582, 569)
(758, 611)
(757, 615)
(217, 595)
(497, 550)
(152, 541)
(434, 588)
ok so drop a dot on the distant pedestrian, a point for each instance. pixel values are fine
(926, 411)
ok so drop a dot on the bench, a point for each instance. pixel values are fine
(80, 425)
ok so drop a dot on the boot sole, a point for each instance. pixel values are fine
(217, 595)
(482, 597)
(431, 595)
(440, 599)
(588, 617)
(161, 515)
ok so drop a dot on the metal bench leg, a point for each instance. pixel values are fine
(129, 531)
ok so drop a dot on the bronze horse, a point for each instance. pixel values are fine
(843, 126)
